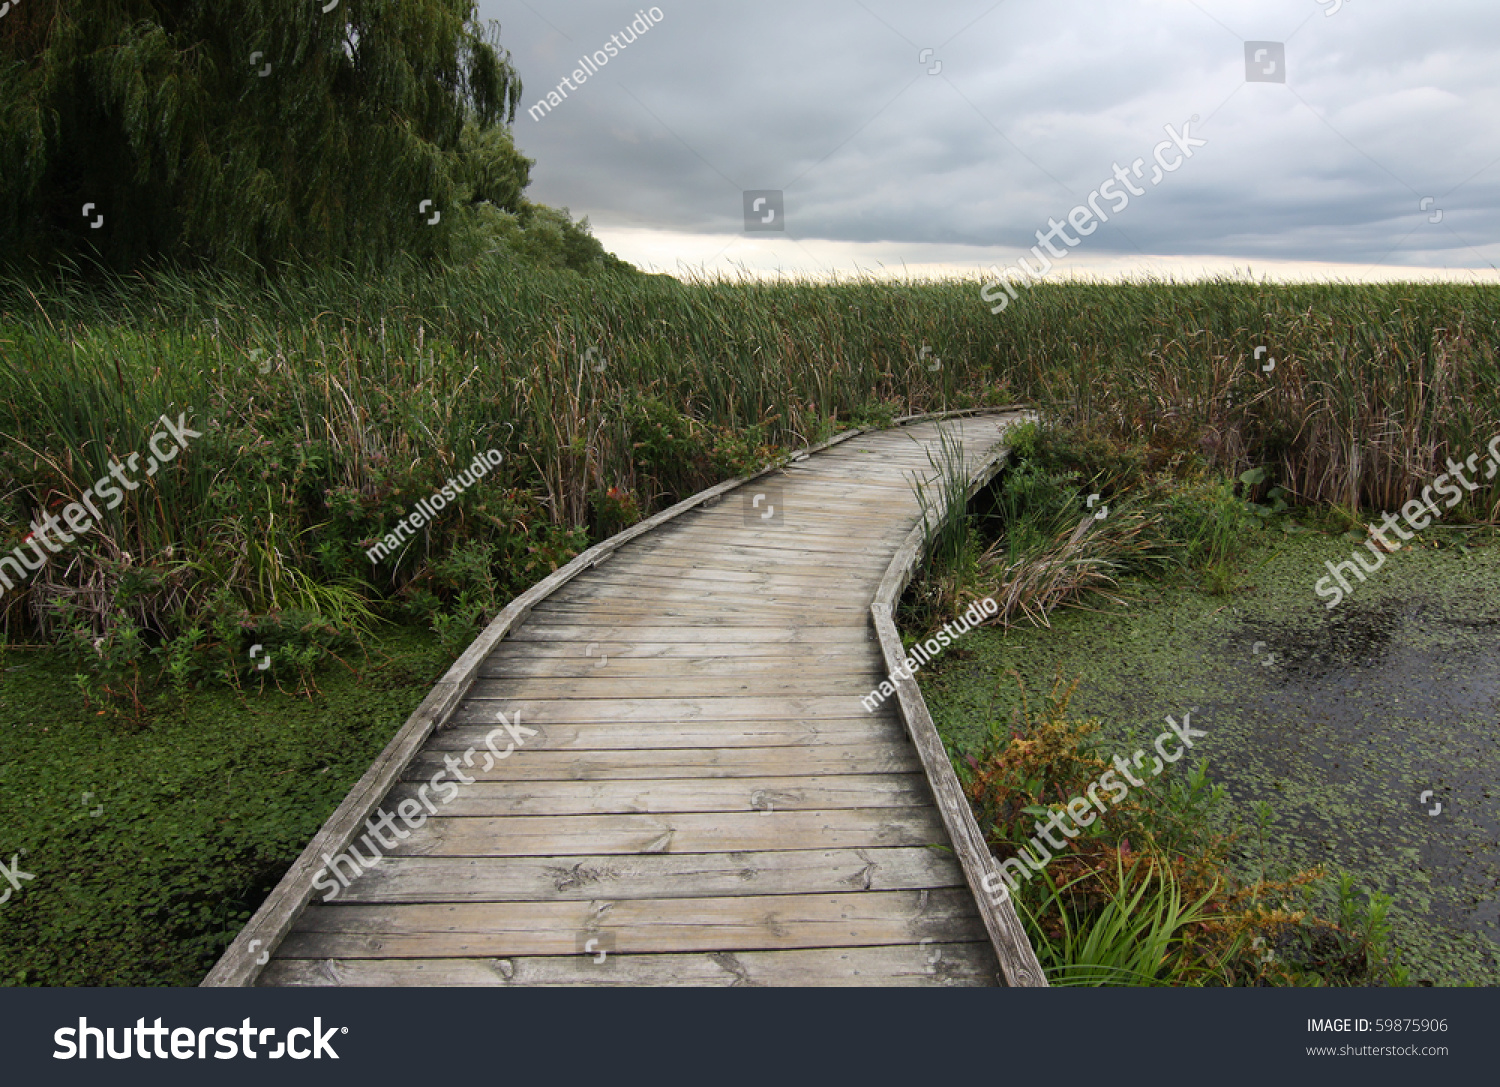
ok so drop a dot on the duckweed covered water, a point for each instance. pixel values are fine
(1344, 720)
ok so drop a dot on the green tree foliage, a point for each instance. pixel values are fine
(242, 133)
(543, 237)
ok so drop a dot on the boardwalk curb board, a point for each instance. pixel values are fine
(1018, 960)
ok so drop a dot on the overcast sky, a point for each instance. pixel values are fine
(888, 155)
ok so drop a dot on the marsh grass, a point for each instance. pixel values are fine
(1033, 544)
(330, 404)
(950, 542)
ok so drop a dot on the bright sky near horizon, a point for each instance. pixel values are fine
(1354, 139)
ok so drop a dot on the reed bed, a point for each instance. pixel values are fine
(330, 404)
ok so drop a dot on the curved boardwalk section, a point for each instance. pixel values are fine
(690, 790)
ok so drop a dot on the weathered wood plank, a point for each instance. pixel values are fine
(656, 566)
(685, 649)
(701, 602)
(780, 587)
(808, 532)
(788, 793)
(865, 510)
(676, 832)
(474, 721)
(589, 663)
(597, 674)
(841, 620)
(885, 756)
(677, 595)
(504, 929)
(483, 705)
(935, 964)
(790, 681)
(746, 568)
(652, 875)
(854, 552)
(582, 631)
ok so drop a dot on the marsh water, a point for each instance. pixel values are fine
(1371, 728)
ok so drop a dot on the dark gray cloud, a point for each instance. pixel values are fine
(957, 157)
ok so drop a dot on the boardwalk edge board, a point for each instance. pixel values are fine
(1018, 962)
(247, 955)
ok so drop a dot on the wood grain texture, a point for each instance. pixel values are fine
(892, 755)
(671, 832)
(732, 923)
(935, 964)
(644, 795)
(653, 875)
(661, 734)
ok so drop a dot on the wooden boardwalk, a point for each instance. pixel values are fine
(693, 793)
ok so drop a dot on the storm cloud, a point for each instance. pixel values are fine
(1352, 136)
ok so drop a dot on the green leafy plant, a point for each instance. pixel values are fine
(109, 666)
(1141, 930)
(1253, 479)
(181, 659)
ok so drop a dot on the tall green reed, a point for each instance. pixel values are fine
(335, 401)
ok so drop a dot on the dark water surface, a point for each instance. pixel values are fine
(1343, 720)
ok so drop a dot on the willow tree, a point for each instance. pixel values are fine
(248, 132)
